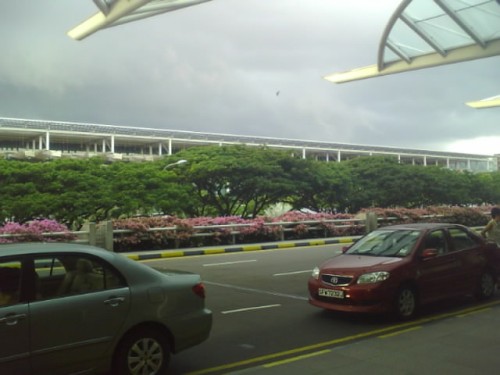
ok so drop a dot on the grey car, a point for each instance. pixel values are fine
(77, 309)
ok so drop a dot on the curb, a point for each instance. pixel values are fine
(164, 254)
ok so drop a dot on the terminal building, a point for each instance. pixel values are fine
(44, 140)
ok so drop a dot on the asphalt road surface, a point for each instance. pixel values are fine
(261, 313)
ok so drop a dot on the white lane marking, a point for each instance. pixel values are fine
(256, 291)
(250, 309)
(292, 273)
(228, 263)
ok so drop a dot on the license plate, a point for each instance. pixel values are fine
(332, 293)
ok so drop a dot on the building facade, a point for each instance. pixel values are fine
(42, 140)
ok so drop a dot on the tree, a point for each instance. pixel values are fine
(379, 181)
(320, 186)
(236, 180)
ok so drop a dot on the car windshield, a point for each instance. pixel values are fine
(390, 243)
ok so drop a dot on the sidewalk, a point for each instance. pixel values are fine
(147, 255)
(462, 343)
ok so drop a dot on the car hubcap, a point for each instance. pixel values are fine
(406, 303)
(145, 357)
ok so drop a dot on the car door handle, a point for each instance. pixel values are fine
(12, 319)
(114, 301)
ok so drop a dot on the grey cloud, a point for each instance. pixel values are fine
(217, 67)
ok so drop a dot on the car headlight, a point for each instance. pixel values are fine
(315, 273)
(373, 277)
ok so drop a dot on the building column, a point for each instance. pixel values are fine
(47, 141)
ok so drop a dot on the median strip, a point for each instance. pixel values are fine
(161, 254)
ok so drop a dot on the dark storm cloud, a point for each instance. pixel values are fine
(217, 67)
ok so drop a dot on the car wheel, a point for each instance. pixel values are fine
(406, 303)
(487, 286)
(144, 351)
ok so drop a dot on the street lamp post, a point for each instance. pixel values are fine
(178, 162)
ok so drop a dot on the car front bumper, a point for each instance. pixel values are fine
(366, 298)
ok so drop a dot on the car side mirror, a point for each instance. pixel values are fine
(429, 253)
(345, 248)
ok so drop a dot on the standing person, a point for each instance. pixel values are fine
(492, 230)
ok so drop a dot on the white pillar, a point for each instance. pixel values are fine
(47, 141)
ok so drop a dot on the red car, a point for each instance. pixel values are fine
(397, 268)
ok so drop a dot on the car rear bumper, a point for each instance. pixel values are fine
(191, 329)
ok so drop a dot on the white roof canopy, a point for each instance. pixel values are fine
(485, 103)
(428, 33)
(117, 12)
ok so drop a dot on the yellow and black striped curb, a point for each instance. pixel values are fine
(236, 249)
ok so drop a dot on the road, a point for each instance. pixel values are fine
(261, 313)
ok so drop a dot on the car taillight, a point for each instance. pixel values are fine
(199, 290)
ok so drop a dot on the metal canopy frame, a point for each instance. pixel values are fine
(117, 12)
(428, 33)
(485, 103)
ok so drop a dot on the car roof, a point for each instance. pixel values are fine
(421, 226)
(34, 248)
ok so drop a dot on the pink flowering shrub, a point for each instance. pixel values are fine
(257, 231)
(193, 232)
(468, 216)
(35, 231)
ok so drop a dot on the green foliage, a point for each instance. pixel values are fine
(237, 180)
(228, 181)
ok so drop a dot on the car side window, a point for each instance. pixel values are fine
(74, 274)
(462, 240)
(436, 240)
(10, 282)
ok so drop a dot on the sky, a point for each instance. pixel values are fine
(244, 67)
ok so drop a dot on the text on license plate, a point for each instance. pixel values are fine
(331, 293)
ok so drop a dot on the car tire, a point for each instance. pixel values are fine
(487, 286)
(143, 351)
(405, 303)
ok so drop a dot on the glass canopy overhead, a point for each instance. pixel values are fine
(117, 12)
(485, 103)
(428, 33)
